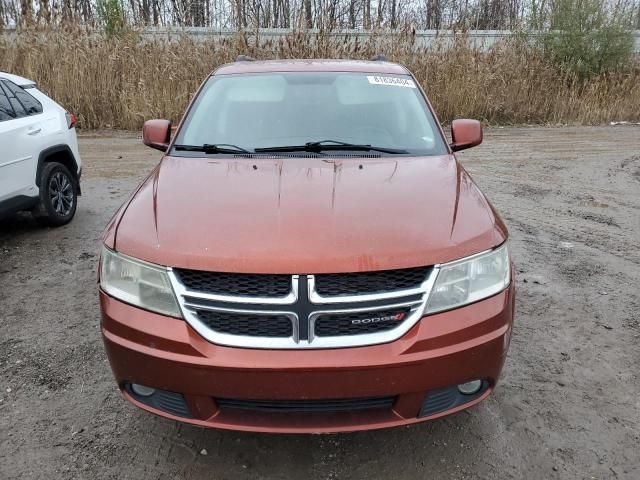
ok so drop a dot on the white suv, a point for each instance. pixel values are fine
(39, 160)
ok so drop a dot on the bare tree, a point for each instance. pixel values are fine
(323, 14)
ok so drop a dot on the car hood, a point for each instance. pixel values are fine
(306, 215)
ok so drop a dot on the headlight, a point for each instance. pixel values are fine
(470, 279)
(139, 283)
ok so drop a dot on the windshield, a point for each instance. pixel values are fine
(290, 109)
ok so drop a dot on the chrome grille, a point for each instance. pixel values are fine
(351, 309)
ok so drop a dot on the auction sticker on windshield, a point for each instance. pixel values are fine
(393, 81)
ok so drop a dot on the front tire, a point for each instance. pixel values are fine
(58, 196)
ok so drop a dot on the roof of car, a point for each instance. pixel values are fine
(21, 81)
(310, 66)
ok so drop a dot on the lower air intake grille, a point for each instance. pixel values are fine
(238, 284)
(336, 284)
(443, 399)
(440, 400)
(308, 406)
(246, 324)
(170, 402)
(336, 325)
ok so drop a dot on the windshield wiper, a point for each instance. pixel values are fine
(212, 148)
(329, 145)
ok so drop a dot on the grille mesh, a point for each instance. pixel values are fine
(247, 325)
(339, 325)
(249, 285)
(439, 401)
(336, 284)
(442, 399)
(171, 402)
(308, 406)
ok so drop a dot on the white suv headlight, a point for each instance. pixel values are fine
(470, 279)
(138, 283)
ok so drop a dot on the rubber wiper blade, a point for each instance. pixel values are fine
(335, 144)
(330, 145)
(212, 148)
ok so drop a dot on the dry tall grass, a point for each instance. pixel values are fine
(120, 82)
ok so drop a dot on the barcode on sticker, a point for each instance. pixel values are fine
(394, 81)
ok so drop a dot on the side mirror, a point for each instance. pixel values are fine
(157, 134)
(465, 133)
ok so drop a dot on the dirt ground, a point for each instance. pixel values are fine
(567, 406)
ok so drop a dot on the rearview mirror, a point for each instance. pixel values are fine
(157, 134)
(465, 133)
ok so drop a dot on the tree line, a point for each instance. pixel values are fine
(321, 14)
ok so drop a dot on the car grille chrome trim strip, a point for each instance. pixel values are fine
(240, 340)
(190, 301)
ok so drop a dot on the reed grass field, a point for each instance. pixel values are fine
(121, 81)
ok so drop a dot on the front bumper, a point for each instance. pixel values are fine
(441, 350)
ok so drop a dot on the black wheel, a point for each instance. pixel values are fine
(58, 196)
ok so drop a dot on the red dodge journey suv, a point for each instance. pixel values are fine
(308, 256)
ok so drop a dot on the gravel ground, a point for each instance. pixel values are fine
(567, 406)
